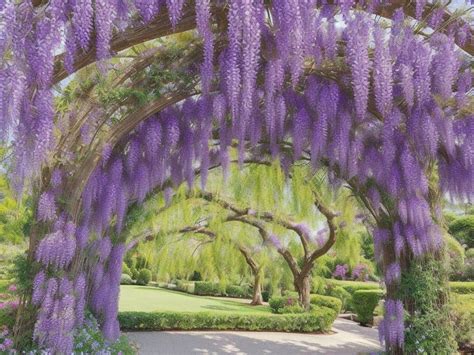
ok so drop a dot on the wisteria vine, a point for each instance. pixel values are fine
(384, 108)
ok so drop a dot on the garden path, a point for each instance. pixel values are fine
(347, 338)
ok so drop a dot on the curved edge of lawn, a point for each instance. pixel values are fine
(319, 319)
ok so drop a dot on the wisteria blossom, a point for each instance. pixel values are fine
(386, 119)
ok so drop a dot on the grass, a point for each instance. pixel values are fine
(153, 299)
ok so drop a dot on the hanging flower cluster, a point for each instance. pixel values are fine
(276, 93)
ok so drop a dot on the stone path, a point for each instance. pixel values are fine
(348, 338)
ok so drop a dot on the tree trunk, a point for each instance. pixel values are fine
(257, 274)
(257, 298)
(303, 287)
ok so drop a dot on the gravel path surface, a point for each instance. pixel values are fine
(348, 338)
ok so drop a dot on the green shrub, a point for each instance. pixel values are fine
(126, 270)
(237, 291)
(196, 276)
(185, 286)
(462, 228)
(144, 277)
(204, 288)
(7, 317)
(339, 293)
(318, 285)
(364, 302)
(430, 329)
(4, 285)
(126, 280)
(278, 303)
(462, 287)
(327, 301)
(462, 315)
(353, 286)
(265, 296)
(134, 273)
(455, 258)
(319, 319)
(295, 308)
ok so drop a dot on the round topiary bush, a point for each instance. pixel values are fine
(144, 277)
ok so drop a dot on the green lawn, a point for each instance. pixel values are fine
(149, 299)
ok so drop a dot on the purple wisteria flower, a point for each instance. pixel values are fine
(340, 271)
(46, 207)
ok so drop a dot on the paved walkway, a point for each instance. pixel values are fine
(348, 338)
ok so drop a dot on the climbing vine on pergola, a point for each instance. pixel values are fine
(377, 92)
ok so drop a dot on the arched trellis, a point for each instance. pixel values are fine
(81, 176)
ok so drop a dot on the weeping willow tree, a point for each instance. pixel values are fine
(258, 213)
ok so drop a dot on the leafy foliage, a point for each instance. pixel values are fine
(424, 286)
(318, 320)
(462, 313)
(364, 303)
(15, 216)
(278, 305)
(462, 228)
(462, 287)
(144, 277)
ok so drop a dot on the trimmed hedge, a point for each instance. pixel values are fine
(341, 294)
(364, 302)
(353, 286)
(204, 288)
(318, 320)
(185, 286)
(279, 304)
(237, 291)
(327, 301)
(462, 288)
